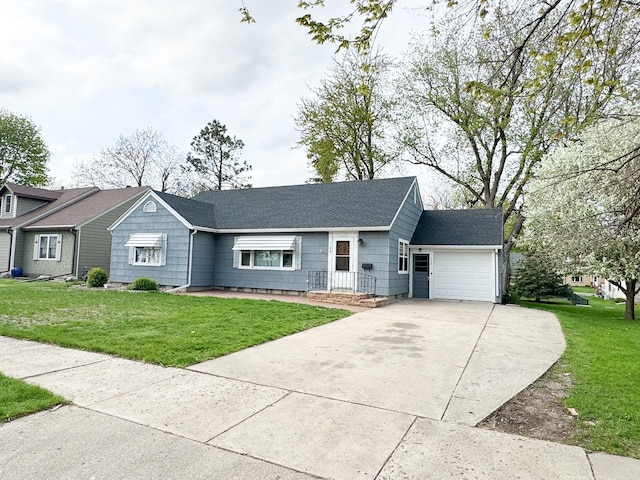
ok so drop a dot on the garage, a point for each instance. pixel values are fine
(457, 255)
(464, 276)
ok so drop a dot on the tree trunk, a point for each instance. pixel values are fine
(506, 272)
(630, 294)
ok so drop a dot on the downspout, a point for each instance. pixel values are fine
(189, 272)
(498, 276)
(74, 260)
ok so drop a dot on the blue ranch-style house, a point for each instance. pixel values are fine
(371, 236)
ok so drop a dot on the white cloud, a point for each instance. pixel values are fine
(89, 71)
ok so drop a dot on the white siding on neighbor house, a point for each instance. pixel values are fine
(611, 292)
(175, 272)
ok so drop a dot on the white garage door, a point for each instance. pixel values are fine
(464, 276)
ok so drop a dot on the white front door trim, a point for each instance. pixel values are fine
(342, 278)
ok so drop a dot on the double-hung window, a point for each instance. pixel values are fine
(6, 204)
(47, 247)
(403, 256)
(268, 253)
(147, 249)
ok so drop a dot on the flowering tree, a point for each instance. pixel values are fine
(583, 209)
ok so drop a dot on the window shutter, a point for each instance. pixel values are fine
(298, 252)
(35, 247)
(163, 251)
(132, 255)
(58, 248)
(236, 255)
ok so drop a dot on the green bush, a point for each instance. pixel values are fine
(537, 278)
(97, 277)
(144, 284)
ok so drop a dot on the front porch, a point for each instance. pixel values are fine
(344, 288)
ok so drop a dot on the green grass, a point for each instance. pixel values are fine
(171, 330)
(583, 289)
(603, 356)
(18, 398)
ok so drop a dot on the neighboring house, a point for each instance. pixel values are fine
(345, 236)
(610, 292)
(582, 280)
(59, 232)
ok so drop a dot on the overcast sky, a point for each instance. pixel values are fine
(87, 71)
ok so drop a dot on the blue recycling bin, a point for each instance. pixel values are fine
(16, 272)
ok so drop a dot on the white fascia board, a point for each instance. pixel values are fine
(156, 198)
(196, 228)
(395, 217)
(49, 227)
(301, 230)
(456, 247)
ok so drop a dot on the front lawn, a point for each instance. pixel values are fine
(603, 356)
(171, 330)
(18, 398)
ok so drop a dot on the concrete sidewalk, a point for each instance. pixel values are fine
(390, 393)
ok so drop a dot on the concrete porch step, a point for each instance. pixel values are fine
(348, 298)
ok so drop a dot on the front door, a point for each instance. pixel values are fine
(342, 262)
(421, 276)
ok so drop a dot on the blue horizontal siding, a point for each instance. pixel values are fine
(314, 257)
(174, 273)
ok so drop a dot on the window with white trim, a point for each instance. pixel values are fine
(267, 253)
(147, 249)
(47, 247)
(403, 256)
(577, 279)
(7, 203)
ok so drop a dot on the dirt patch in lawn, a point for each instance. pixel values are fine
(537, 411)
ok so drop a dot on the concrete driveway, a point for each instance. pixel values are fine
(390, 393)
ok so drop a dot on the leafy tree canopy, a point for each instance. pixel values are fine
(23, 153)
(345, 127)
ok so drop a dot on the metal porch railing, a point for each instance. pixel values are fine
(354, 282)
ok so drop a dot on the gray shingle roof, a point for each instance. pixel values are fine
(197, 213)
(459, 227)
(370, 203)
(88, 208)
(32, 192)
